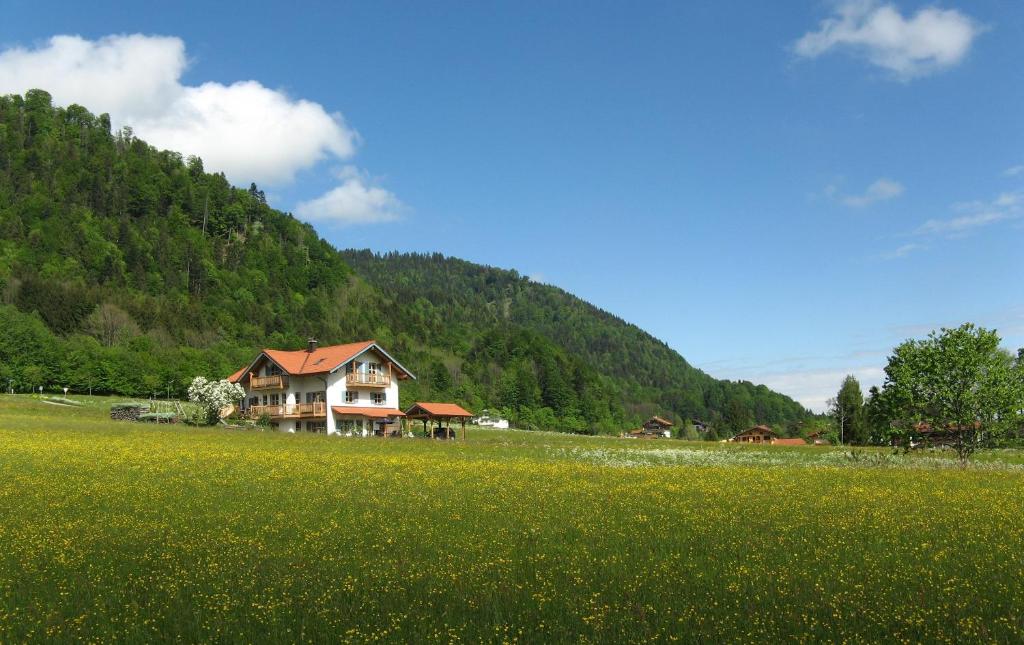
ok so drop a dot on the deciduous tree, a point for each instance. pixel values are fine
(958, 382)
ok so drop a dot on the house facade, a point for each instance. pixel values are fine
(655, 427)
(350, 388)
(757, 434)
(765, 435)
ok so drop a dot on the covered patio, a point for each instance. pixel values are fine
(375, 421)
(441, 414)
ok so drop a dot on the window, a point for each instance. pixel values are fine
(298, 397)
(313, 397)
(273, 370)
(351, 396)
(379, 398)
(274, 399)
(316, 426)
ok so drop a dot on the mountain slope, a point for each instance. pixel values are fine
(650, 376)
(128, 269)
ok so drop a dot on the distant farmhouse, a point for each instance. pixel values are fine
(653, 428)
(339, 388)
(818, 438)
(487, 420)
(765, 435)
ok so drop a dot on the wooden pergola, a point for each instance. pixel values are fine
(431, 412)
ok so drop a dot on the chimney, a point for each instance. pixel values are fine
(311, 347)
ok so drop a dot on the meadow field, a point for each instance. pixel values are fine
(128, 532)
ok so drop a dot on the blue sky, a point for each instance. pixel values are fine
(780, 191)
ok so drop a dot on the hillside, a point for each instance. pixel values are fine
(651, 378)
(128, 269)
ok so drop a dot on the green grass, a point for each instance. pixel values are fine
(132, 532)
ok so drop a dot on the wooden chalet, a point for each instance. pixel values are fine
(653, 428)
(925, 435)
(757, 434)
(765, 435)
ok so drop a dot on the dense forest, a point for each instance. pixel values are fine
(128, 269)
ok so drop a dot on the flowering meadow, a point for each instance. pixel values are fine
(130, 532)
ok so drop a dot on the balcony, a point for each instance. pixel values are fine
(278, 382)
(290, 410)
(360, 379)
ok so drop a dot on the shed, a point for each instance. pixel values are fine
(439, 412)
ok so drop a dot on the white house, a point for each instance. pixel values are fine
(340, 388)
(485, 420)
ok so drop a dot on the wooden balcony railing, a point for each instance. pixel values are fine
(289, 410)
(278, 382)
(370, 380)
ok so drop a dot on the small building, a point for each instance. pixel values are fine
(757, 434)
(486, 420)
(765, 435)
(699, 425)
(441, 414)
(653, 428)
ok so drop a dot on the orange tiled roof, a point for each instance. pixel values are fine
(237, 376)
(320, 360)
(376, 413)
(790, 442)
(664, 422)
(441, 409)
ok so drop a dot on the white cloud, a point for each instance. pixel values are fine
(931, 40)
(1013, 171)
(814, 387)
(881, 190)
(1006, 206)
(246, 130)
(901, 252)
(961, 224)
(354, 201)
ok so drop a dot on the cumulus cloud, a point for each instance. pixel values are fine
(931, 40)
(879, 191)
(248, 131)
(355, 201)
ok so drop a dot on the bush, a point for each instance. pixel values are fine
(214, 396)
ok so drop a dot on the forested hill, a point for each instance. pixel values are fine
(651, 377)
(128, 269)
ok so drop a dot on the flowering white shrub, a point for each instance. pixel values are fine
(213, 396)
